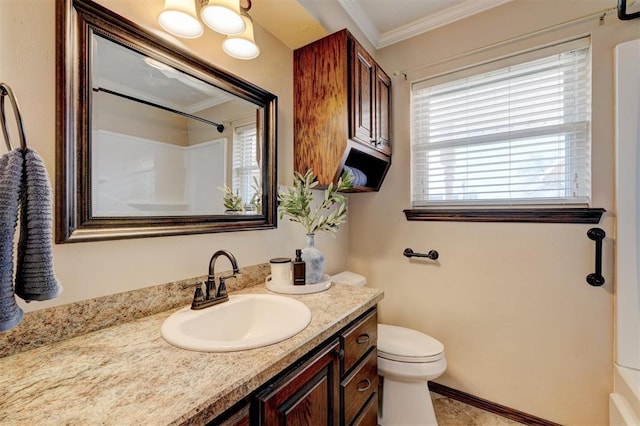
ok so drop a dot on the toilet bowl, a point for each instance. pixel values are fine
(407, 360)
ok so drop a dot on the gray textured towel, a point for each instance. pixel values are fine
(35, 277)
(10, 187)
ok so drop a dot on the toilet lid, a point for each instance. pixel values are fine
(407, 345)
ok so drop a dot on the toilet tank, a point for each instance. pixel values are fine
(349, 278)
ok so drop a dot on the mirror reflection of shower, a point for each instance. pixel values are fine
(163, 142)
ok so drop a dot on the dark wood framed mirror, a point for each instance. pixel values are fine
(150, 137)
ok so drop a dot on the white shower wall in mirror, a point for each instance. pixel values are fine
(206, 173)
(142, 177)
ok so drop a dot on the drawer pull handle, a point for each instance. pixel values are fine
(364, 385)
(362, 339)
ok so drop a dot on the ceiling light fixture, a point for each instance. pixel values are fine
(242, 46)
(223, 16)
(179, 18)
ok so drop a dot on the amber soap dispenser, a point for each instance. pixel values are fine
(299, 269)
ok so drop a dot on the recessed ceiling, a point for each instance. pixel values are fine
(383, 22)
(149, 80)
(288, 21)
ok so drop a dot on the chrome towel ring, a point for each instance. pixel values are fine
(5, 90)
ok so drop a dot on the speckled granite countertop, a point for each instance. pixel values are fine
(127, 374)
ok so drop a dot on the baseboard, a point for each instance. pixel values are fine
(492, 407)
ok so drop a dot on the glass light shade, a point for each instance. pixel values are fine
(179, 18)
(242, 46)
(223, 16)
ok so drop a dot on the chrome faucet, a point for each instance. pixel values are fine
(213, 296)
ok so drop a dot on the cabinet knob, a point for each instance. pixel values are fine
(340, 354)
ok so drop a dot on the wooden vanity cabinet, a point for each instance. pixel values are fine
(335, 384)
(342, 111)
(307, 396)
(238, 415)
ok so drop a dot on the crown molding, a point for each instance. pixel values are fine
(420, 26)
(362, 20)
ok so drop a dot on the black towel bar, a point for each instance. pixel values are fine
(433, 255)
(596, 234)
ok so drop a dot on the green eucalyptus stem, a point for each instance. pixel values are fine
(297, 203)
(231, 201)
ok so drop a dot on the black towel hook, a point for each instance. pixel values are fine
(596, 234)
(5, 90)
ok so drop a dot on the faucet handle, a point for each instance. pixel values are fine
(198, 295)
(222, 287)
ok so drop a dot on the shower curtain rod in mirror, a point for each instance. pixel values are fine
(218, 126)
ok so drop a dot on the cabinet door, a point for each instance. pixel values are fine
(362, 96)
(383, 111)
(308, 396)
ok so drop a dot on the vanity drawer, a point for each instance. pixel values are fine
(359, 386)
(358, 340)
(368, 416)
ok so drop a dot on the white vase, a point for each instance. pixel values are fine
(314, 261)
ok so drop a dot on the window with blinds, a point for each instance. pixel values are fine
(246, 165)
(512, 132)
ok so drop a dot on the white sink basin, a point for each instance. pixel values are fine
(246, 321)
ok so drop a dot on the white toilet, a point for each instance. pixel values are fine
(407, 360)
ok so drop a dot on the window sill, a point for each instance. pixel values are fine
(535, 215)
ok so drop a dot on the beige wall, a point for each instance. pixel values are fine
(87, 270)
(520, 325)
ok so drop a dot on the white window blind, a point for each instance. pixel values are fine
(518, 134)
(245, 161)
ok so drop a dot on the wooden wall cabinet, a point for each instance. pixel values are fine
(342, 111)
(370, 101)
(337, 384)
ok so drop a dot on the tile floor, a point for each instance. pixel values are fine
(450, 412)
